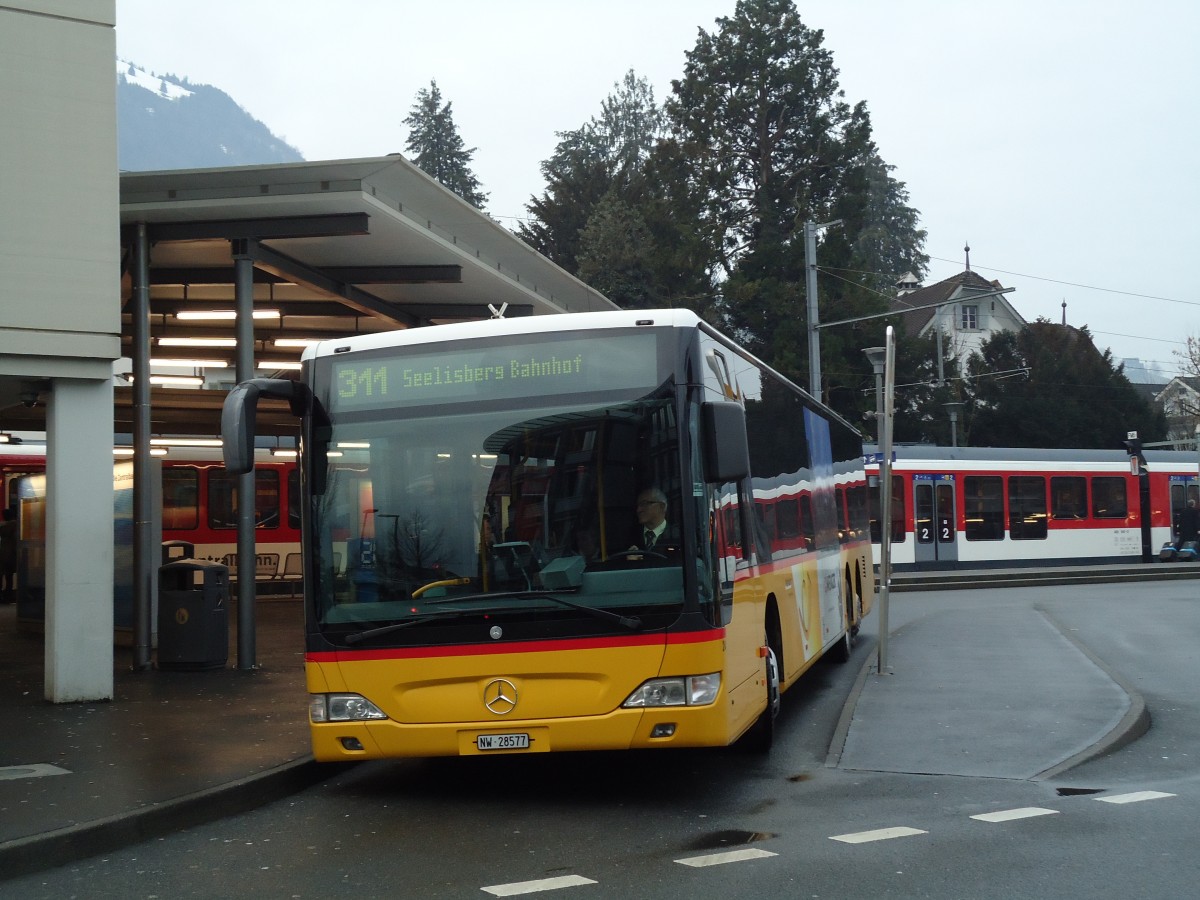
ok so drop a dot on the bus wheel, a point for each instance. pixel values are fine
(840, 652)
(761, 735)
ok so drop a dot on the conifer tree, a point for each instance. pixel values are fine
(435, 145)
(1071, 394)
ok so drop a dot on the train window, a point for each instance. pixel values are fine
(293, 496)
(842, 523)
(1068, 497)
(945, 513)
(727, 524)
(764, 530)
(983, 501)
(1177, 494)
(807, 528)
(181, 498)
(898, 531)
(787, 519)
(222, 499)
(1108, 497)
(923, 512)
(856, 510)
(1027, 507)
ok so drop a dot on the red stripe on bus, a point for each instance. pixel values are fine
(642, 640)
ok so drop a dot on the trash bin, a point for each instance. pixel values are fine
(173, 550)
(193, 615)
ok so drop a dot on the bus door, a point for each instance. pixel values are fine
(934, 521)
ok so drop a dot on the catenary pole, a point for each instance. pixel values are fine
(243, 267)
(885, 495)
(814, 318)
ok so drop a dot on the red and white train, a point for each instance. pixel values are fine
(961, 507)
(969, 507)
(198, 499)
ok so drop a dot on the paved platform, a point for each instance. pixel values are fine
(175, 749)
(950, 701)
(171, 750)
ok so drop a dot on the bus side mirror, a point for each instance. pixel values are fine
(238, 414)
(726, 452)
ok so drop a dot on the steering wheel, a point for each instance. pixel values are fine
(630, 554)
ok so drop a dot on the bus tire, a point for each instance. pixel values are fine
(761, 735)
(842, 650)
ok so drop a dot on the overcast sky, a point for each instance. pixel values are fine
(1059, 138)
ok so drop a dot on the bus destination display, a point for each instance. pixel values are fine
(547, 368)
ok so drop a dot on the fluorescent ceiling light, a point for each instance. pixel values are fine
(193, 380)
(196, 342)
(296, 342)
(126, 452)
(277, 364)
(189, 363)
(282, 451)
(217, 315)
(185, 442)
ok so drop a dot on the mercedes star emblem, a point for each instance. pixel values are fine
(500, 696)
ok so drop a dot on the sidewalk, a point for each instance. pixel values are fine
(171, 750)
(176, 749)
(985, 692)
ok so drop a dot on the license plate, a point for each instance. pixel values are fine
(502, 742)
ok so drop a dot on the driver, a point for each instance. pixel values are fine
(652, 517)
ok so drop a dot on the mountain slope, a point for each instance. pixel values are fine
(164, 122)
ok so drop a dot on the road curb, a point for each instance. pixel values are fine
(39, 852)
(838, 742)
(1134, 724)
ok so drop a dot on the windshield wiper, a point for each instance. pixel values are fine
(360, 636)
(633, 623)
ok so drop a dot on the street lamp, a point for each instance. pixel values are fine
(878, 357)
(954, 408)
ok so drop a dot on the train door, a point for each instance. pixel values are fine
(934, 521)
(1184, 490)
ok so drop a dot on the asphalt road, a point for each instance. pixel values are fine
(731, 825)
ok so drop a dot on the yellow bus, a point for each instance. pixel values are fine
(478, 576)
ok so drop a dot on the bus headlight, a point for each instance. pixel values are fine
(693, 690)
(342, 708)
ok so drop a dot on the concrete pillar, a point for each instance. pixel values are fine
(79, 541)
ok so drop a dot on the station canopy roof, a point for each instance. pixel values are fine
(339, 248)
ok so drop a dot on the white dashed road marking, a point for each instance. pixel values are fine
(1135, 797)
(718, 859)
(517, 888)
(1007, 815)
(33, 770)
(880, 834)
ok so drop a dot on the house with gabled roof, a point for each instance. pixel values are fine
(966, 308)
(1180, 402)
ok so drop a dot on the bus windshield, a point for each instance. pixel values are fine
(434, 521)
